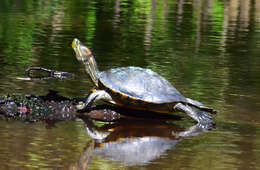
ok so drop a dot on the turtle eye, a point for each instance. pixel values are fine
(77, 42)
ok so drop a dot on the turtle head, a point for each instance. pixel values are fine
(84, 55)
(82, 52)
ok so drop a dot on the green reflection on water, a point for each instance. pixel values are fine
(33, 146)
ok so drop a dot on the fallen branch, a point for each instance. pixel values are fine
(51, 73)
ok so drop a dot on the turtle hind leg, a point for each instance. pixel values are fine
(200, 106)
(94, 96)
(198, 115)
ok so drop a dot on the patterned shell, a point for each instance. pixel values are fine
(143, 84)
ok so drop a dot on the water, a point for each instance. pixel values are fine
(209, 50)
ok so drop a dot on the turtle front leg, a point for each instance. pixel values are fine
(94, 96)
(198, 115)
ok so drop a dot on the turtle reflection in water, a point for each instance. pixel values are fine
(137, 88)
(133, 142)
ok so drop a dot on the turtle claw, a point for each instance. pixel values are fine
(203, 117)
(206, 126)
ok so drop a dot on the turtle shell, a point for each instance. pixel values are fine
(140, 84)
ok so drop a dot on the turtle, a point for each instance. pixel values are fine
(137, 88)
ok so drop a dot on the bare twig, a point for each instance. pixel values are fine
(51, 73)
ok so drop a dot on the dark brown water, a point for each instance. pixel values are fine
(209, 49)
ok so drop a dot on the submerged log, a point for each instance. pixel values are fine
(31, 108)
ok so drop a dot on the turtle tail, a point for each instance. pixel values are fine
(200, 106)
